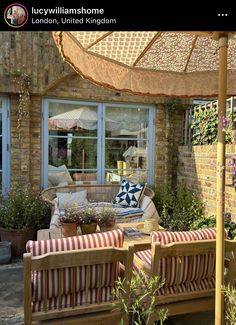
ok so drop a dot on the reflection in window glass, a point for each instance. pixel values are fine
(71, 117)
(126, 122)
(73, 139)
(73, 152)
(126, 143)
(98, 141)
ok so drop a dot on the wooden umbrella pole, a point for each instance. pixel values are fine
(220, 185)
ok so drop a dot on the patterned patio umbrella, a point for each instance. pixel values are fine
(178, 64)
(82, 117)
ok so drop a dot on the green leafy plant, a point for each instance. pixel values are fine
(204, 126)
(87, 214)
(230, 304)
(210, 221)
(106, 216)
(69, 215)
(24, 208)
(138, 299)
(178, 207)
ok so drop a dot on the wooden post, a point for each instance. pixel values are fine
(27, 290)
(220, 185)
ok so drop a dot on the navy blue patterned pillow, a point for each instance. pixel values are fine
(129, 194)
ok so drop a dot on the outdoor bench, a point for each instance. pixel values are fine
(70, 280)
(186, 262)
(103, 193)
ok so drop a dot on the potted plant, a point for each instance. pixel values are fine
(106, 218)
(69, 222)
(88, 220)
(22, 212)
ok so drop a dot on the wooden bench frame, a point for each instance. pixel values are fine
(187, 302)
(97, 313)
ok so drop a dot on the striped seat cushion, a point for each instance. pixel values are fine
(167, 237)
(112, 238)
(191, 268)
(94, 296)
(204, 284)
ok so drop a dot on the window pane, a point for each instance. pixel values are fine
(119, 152)
(84, 153)
(132, 152)
(126, 144)
(71, 117)
(126, 122)
(71, 127)
(73, 152)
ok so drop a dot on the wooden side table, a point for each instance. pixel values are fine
(49, 233)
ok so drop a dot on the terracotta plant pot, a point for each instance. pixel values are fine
(68, 229)
(88, 228)
(107, 224)
(104, 228)
(18, 238)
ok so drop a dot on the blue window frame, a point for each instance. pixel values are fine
(5, 144)
(99, 142)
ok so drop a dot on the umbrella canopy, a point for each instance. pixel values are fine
(82, 117)
(177, 64)
(147, 63)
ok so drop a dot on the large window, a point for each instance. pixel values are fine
(97, 142)
(4, 145)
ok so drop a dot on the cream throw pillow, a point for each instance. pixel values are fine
(57, 178)
(149, 209)
(69, 199)
(66, 178)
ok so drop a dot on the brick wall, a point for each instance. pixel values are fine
(35, 54)
(32, 53)
(197, 168)
(27, 159)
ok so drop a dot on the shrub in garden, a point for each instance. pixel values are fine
(178, 208)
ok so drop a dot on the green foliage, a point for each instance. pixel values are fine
(84, 152)
(204, 125)
(87, 214)
(24, 208)
(138, 298)
(230, 305)
(106, 216)
(204, 222)
(70, 215)
(210, 221)
(178, 207)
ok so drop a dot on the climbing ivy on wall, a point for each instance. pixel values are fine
(204, 126)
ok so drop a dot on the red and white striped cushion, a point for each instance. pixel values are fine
(193, 268)
(112, 238)
(205, 284)
(167, 237)
(80, 298)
